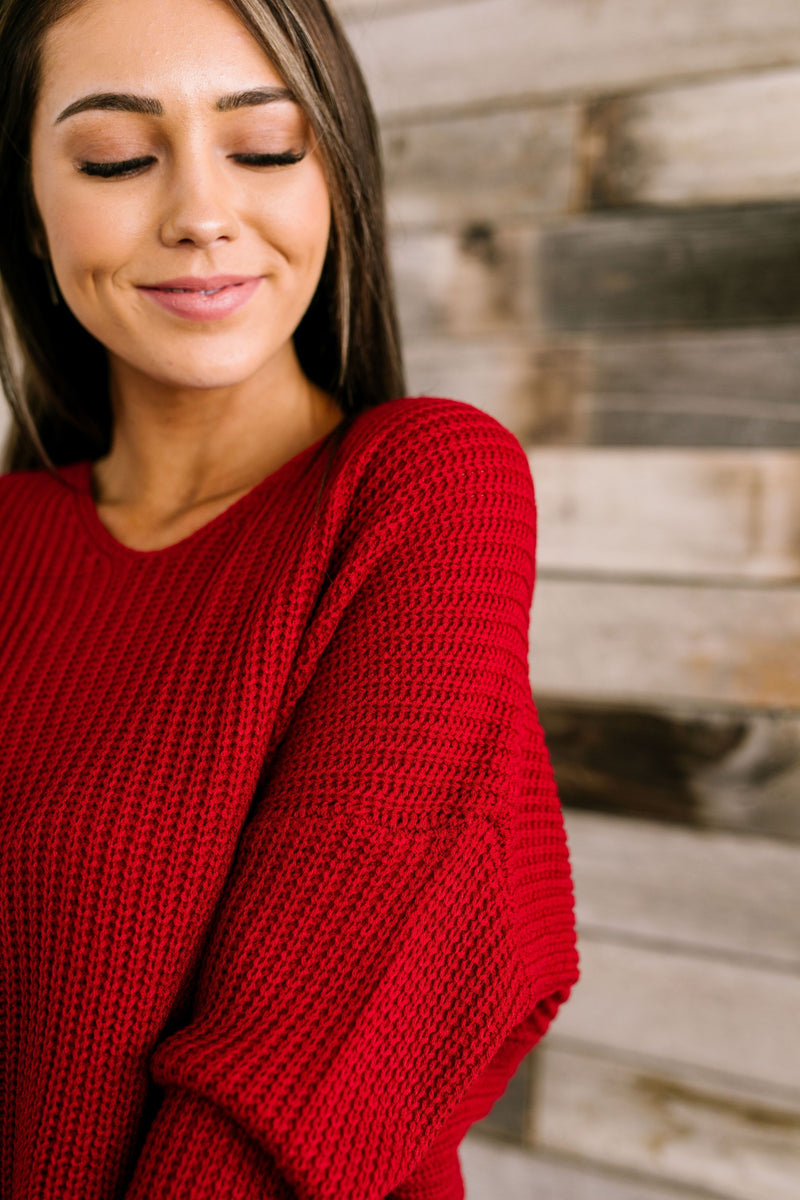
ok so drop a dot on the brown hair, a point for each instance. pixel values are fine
(54, 373)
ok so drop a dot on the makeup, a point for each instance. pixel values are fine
(203, 299)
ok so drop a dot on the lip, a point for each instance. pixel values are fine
(230, 293)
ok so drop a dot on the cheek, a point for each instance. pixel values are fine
(302, 222)
(88, 232)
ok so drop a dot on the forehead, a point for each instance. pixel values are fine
(172, 49)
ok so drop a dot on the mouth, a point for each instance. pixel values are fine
(199, 283)
(195, 291)
(203, 299)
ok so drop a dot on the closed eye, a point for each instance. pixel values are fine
(107, 169)
(270, 160)
(132, 166)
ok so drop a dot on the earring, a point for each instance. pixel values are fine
(51, 281)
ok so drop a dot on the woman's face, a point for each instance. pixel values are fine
(195, 204)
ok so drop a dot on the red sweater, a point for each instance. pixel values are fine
(285, 894)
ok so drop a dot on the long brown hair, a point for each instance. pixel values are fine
(54, 373)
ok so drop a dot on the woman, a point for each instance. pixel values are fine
(284, 888)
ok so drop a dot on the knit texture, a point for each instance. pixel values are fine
(285, 894)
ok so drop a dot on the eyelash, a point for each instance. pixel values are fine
(109, 170)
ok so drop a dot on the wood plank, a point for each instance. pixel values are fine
(495, 1171)
(616, 641)
(668, 513)
(723, 141)
(478, 280)
(686, 1128)
(542, 396)
(509, 1115)
(697, 890)
(698, 767)
(669, 388)
(700, 267)
(455, 54)
(700, 387)
(462, 169)
(737, 1022)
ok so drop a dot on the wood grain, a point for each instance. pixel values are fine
(474, 281)
(495, 1171)
(454, 170)
(668, 388)
(456, 54)
(713, 514)
(733, 1021)
(719, 141)
(704, 891)
(686, 1127)
(701, 267)
(652, 643)
(693, 766)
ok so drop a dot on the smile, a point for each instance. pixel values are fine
(203, 304)
(199, 291)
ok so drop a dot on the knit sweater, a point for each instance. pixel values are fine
(285, 894)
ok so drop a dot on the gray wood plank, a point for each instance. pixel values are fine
(705, 768)
(735, 1022)
(675, 1123)
(458, 54)
(494, 1171)
(688, 388)
(477, 280)
(461, 169)
(541, 394)
(700, 890)
(709, 267)
(700, 387)
(712, 514)
(633, 642)
(720, 141)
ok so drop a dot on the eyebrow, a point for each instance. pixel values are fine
(130, 103)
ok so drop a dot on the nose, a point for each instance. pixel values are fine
(200, 207)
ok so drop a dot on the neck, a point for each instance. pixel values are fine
(176, 449)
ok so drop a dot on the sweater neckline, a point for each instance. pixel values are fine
(228, 517)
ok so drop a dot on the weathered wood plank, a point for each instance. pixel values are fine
(457, 170)
(689, 388)
(709, 769)
(717, 142)
(539, 394)
(456, 54)
(474, 281)
(738, 1022)
(726, 387)
(495, 1171)
(693, 889)
(509, 1116)
(681, 1125)
(633, 642)
(701, 514)
(709, 267)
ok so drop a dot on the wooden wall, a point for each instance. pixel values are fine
(595, 214)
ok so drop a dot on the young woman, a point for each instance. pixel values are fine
(285, 894)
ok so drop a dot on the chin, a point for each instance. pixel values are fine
(203, 373)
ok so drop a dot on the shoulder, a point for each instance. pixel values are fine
(444, 446)
(22, 488)
(435, 487)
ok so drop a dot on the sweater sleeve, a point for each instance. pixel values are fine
(397, 927)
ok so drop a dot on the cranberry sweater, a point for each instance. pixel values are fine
(285, 894)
